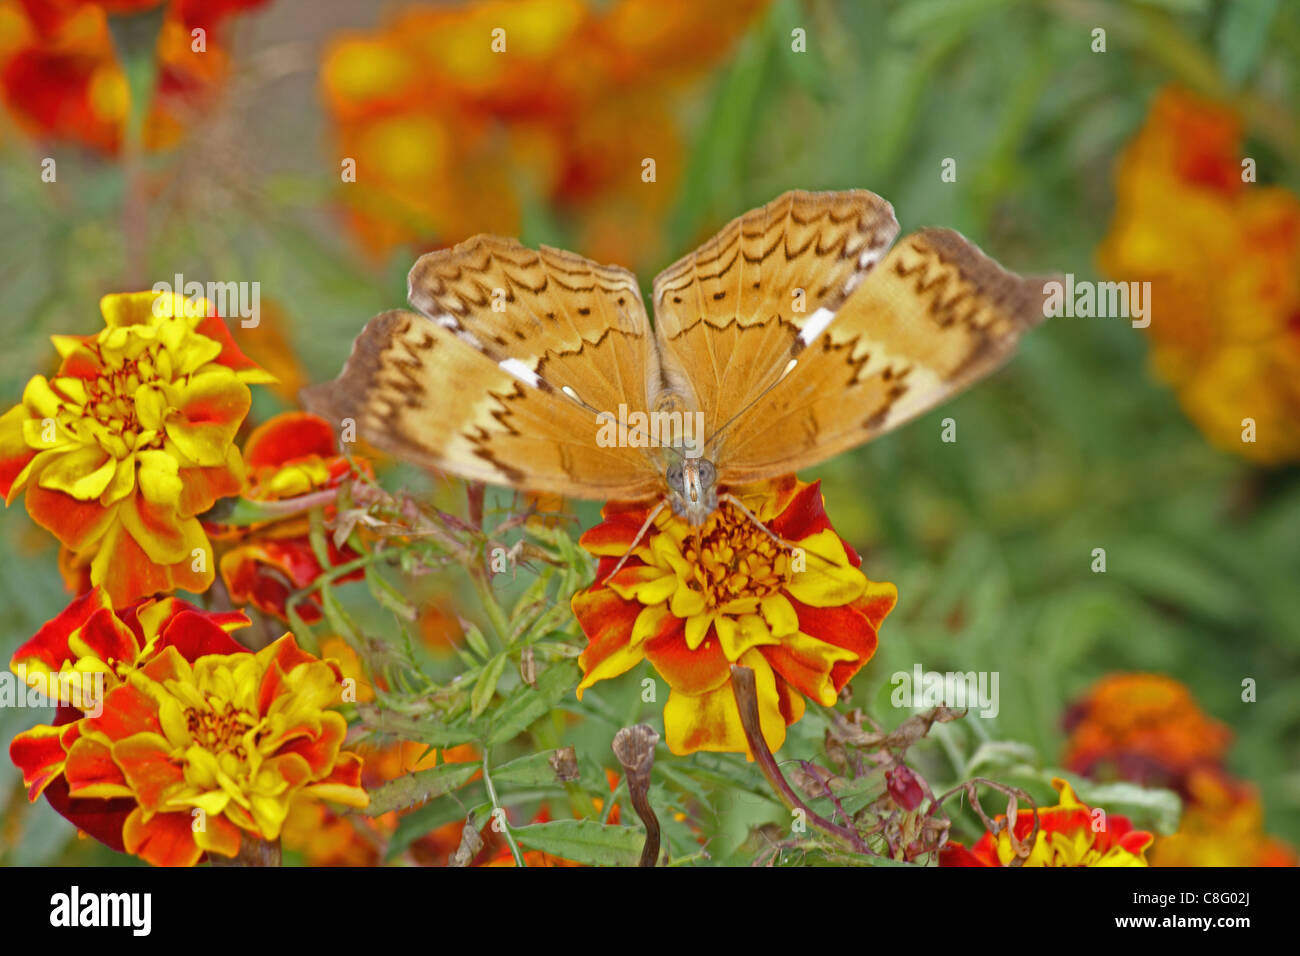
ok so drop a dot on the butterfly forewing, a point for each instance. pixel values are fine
(933, 317)
(730, 314)
(573, 323)
(419, 391)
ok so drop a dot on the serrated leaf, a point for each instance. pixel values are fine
(584, 841)
(486, 685)
(531, 771)
(418, 787)
(526, 705)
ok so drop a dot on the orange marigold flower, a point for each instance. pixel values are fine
(292, 455)
(1223, 260)
(1146, 728)
(235, 736)
(434, 116)
(131, 440)
(90, 642)
(60, 77)
(1223, 825)
(1068, 835)
(694, 603)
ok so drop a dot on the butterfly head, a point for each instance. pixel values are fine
(692, 489)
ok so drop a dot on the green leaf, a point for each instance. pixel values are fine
(477, 642)
(1242, 36)
(584, 841)
(526, 705)
(388, 596)
(338, 618)
(418, 787)
(486, 685)
(531, 771)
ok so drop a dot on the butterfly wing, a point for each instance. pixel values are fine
(500, 377)
(932, 318)
(729, 316)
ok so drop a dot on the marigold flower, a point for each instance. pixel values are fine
(89, 638)
(694, 604)
(236, 736)
(1068, 835)
(433, 115)
(1146, 728)
(1223, 260)
(60, 76)
(292, 455)
(131, 439)
(1223, 825)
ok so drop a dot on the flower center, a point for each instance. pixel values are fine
(220, 728)
(733, 558)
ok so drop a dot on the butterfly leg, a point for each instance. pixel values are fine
(732, 499)
(637, 540)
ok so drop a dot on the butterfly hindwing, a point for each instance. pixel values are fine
(932, 318)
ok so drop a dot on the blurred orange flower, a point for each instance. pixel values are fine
(132, 438)
(60, 77)
(1069, 834)
(1223, 259)
(1222, 825)
(457, 116)
(804, 622)
(1146, 728)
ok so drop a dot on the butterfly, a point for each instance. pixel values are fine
(797, 332)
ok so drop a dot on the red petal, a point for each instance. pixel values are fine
(287, 437)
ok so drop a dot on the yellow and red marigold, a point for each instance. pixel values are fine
(694, 604)
(60, 77)
(1145, 728)
(216, 751)
(1223, 260)
(292, 455)
(90, 638)
(130, 440)
(1069, 834)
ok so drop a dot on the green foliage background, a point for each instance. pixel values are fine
(1071, 448)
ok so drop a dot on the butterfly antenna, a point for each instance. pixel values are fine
(637, 540)
(752, 402)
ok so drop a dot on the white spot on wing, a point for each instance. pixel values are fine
(789, 367)
(817, 323)
(570, 392)
(520, 371)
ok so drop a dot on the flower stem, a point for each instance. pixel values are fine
(742, 685)
(498, 813)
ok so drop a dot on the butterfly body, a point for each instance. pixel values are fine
(795, 333)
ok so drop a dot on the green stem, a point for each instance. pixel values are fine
(498, 813)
